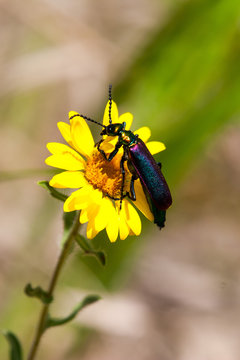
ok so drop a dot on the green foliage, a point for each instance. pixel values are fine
(15, 352)
(53, 192)
(89, 250)
(38, 293)
(88, 300)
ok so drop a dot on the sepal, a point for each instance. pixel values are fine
(39, 293)
(15, 352)
(53, 192)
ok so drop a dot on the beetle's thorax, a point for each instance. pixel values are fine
(128, 138)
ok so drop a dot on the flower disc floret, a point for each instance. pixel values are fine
(106, 176)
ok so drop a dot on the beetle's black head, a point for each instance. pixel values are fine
(112, 130)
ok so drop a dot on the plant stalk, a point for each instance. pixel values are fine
(61, 260)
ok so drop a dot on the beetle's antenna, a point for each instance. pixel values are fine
(110, 103)
(87, 118)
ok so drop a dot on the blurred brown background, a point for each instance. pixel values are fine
(169, 295)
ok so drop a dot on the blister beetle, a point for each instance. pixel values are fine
(141, 164)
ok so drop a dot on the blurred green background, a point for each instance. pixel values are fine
(175, 66)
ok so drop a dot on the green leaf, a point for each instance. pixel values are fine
(39, 293)
(88, 300)
(15, 346)
(89, 250)
(56, 194)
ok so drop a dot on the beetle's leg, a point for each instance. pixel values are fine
(115, 151)
(98, 144)
(131, 194)
(160, 165)
(100, 150)
(113, 198)
(123, 179)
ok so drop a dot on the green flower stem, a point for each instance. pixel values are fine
(61, 260)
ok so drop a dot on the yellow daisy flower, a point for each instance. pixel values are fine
(97, 180)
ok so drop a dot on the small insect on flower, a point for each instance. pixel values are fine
(110, 176)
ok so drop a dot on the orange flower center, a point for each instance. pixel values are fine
(106, 175)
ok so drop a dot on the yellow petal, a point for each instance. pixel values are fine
(64, 157)
(114, 114)
(155, 147)
(141, 201)
(101, 218)
(90, 214)
(68, 179)
(128, 118)
(123, 227)
(83, 216)
(72, 115)
(90, 211)
(132, 217)
(78, 200)
(96, 196)
(144, 133)
(109, 143)
(58, 148)
(65, 161)
(64, 129)
(91, 230)
(81, 136)
(112, 226)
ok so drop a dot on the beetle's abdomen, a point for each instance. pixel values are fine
(150, 175)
